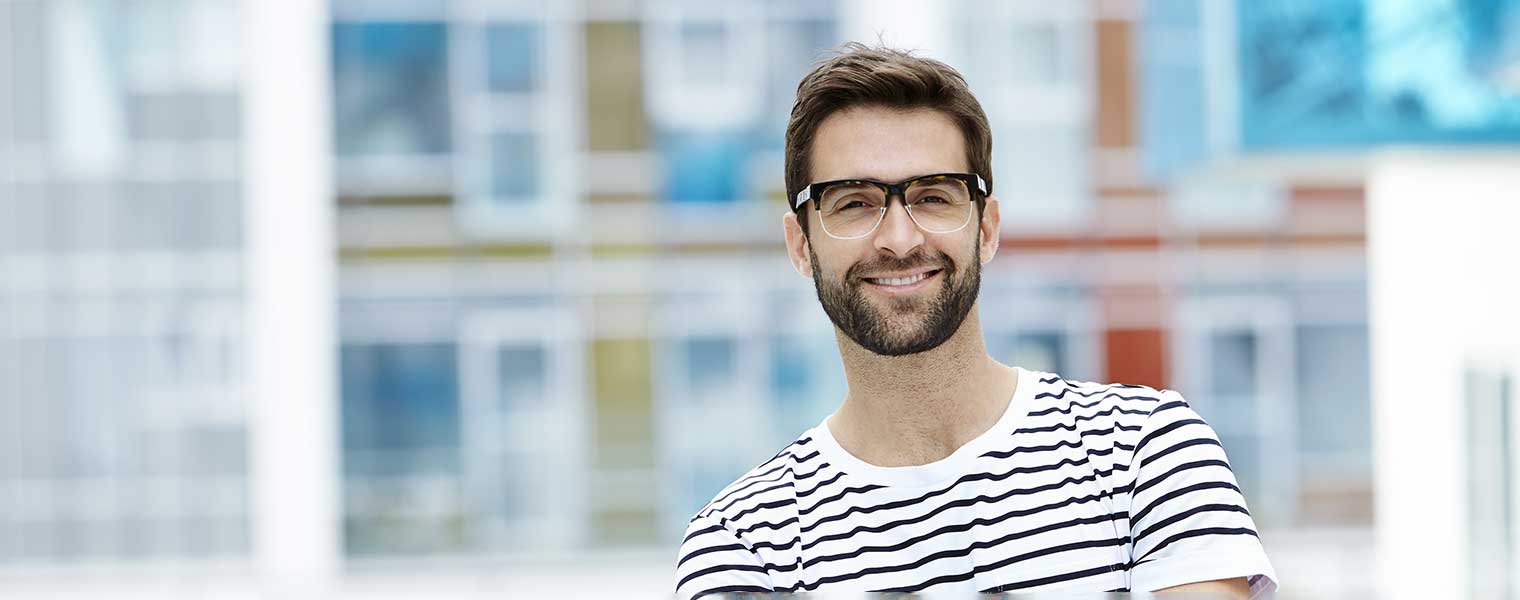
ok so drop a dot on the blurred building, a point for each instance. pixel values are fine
(122, 426)
(565, 317)
(561, 262)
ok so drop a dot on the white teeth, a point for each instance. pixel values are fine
(902, 280)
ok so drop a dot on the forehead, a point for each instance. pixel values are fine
(888, 144)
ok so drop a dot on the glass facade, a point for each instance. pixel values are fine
(1291, 75)
(1369, 71)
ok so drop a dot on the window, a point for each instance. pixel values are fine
(1173, 122)
(704, 167)
(523, 428)
(710, 373)
(400, 408)
(400, 448)
(1334, 398)
(1040, 168)
(1039, 351)
(807, 382)
(516, 119)
(1230, 406)
(390, 88)
(792, 47)
(1491, 480)
(1028, 65)
(706, 68)
(1232, 377)
(705, 47)
(706, 390)
(515, 168)
(514, 54)
(1235, 365)
(1203, 202)
(709, 366)
(1027, 53)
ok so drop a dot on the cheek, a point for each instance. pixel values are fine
(834, 261)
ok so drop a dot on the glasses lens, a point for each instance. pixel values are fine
(851, 209)
(939, 204)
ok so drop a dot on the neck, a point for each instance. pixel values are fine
(919, 408)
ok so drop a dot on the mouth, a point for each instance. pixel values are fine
(903, 283)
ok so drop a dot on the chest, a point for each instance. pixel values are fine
(1056, 531)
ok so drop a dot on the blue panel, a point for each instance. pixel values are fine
(1357, 72)
(705, 167)
(402, 399)
(524, 378)
(710, 368)
(390, 88)
(1172, 111)
(516, 55)
(807, 382)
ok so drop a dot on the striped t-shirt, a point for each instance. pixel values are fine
(1080, 486)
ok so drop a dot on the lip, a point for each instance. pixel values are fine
(904, 289)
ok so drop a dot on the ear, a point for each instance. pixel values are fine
(797, 245)
(991, 229)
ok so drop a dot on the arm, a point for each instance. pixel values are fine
(714, 561)
(1234, 589)
(1189, 522)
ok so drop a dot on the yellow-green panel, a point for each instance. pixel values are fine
(622, 250)
(615, 118)
(605, 198)
(631, 527)
(397, 200)
(530, 250)
(624, 403)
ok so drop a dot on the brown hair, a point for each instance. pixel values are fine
(859, 75)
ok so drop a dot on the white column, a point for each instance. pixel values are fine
(290, 281)
(1443, 291)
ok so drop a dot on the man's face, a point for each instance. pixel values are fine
(899, 290)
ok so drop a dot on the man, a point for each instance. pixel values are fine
(944, 471)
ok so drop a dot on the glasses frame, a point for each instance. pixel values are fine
(974, 182)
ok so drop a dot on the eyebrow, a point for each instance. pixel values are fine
(894, 179)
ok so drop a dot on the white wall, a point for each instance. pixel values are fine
(1444, 287)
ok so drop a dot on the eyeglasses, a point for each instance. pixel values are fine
(853, 208)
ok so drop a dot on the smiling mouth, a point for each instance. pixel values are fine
(910, 280)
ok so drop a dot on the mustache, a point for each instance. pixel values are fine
(914, 260)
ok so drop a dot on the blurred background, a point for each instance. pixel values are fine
(470, 298)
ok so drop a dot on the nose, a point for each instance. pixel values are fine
(898, 233)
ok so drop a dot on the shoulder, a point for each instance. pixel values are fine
(769, 486)
(738, 539)
(1106, 415)
(1057, 395)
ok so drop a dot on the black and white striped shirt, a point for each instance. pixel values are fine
(1079, 486)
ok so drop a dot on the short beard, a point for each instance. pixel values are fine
(862, 322)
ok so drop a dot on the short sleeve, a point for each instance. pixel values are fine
(1188, 518)
(713, 561)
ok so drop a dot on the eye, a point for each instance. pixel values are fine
(932, 199)
(850, 204)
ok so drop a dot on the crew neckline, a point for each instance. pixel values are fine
(942, 470)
